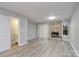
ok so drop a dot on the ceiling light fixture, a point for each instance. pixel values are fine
(51, 17)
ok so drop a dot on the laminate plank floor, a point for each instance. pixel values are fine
(42, 48)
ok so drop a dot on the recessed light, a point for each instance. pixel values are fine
(51, 17)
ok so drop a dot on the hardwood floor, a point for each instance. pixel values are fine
(42, 48)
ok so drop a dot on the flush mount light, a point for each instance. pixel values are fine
(51, 17)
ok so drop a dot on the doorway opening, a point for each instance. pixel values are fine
(14, 33)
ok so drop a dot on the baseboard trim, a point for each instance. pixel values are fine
(23, 43)
(74, 49)
(4, 49)
(32, 38)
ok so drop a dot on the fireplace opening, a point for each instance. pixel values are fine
(55, 34)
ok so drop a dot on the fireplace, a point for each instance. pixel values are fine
(55, 34)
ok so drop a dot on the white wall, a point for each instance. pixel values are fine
(75, 31)
(22, 25)
(43, 30)
(23, 30)
(32, 30)
(4, 33)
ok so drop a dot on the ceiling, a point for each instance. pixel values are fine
(39, 11)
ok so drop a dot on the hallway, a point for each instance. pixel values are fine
(42, 48)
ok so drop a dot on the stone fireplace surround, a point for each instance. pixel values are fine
(55, 29)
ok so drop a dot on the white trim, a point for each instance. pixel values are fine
(5, 49)
(18, 32)
(32, 38)
(74, 49)
(23, 43)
